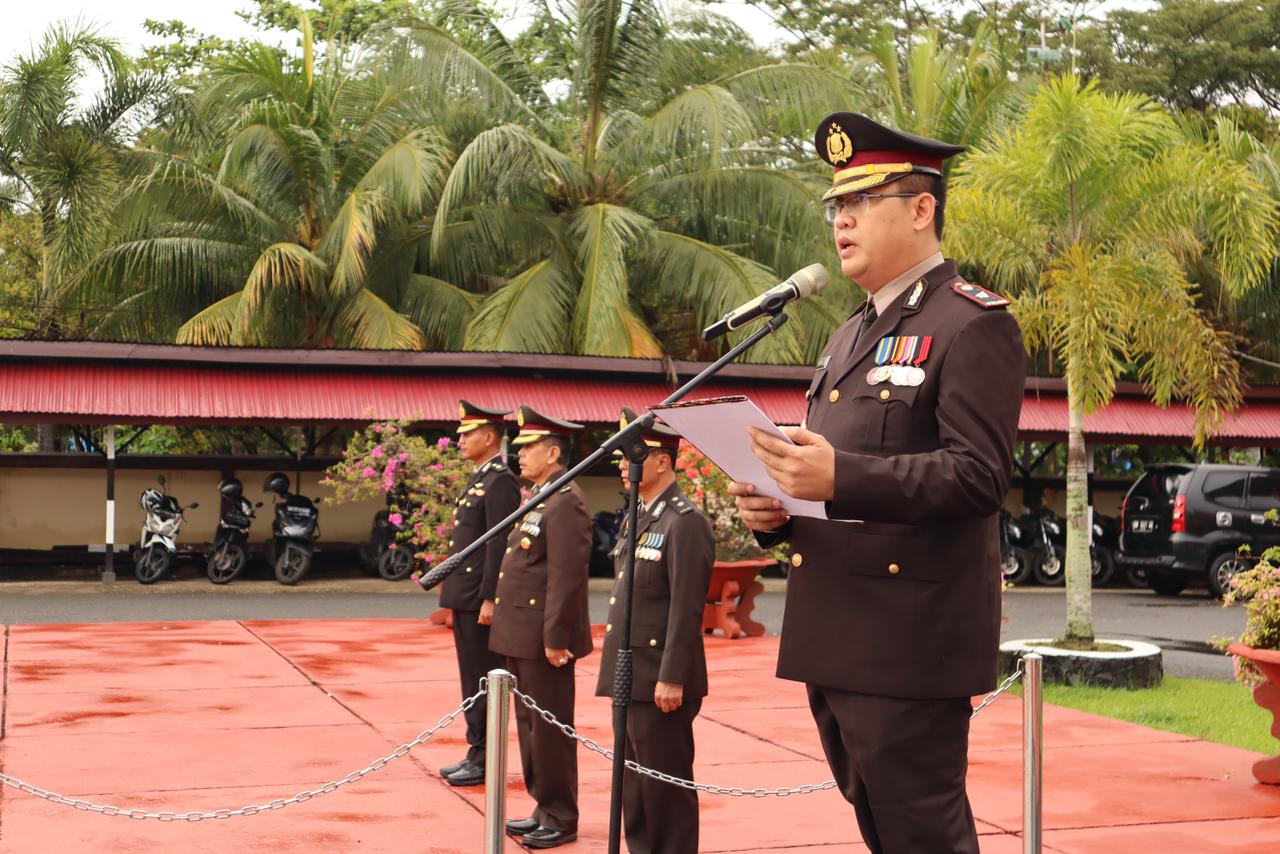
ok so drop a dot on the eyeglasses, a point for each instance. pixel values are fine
(858, 203)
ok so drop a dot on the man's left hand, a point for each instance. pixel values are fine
(805, 470)
(668, 696)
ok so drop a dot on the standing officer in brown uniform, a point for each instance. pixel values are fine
(674, 550)
(893, 622)
(491, 494)
(541, 624)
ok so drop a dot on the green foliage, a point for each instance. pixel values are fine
(1189, 54)
(18, 439)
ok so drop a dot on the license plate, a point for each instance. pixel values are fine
(1142, 526)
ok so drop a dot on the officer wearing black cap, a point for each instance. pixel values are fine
(893, 622)
(674, 550)
(491, 494)
(541, 625)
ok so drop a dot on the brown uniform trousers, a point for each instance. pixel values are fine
(490, 495)
(675, 550)
(894, 622)
(541, 603)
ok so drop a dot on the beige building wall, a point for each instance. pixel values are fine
(45, 507)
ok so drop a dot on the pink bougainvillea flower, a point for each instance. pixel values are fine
(368, 471)
(437, 467)
(395, 518)
(443, 442)
(404, 456)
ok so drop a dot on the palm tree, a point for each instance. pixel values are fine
(280, 210)
(595, 211)
(1092, 210)
(60, 158)
(939, 91)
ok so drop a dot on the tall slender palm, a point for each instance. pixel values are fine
(60, 158)
(283, 218)
(1092, 210)
(940, 91)
(596, 213)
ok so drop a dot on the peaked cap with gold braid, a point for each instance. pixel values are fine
(657, 436)
(866, 154)
(471, 416)
(535, 426)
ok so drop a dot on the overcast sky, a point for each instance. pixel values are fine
(25, 21)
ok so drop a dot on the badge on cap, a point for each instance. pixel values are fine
(839, 146)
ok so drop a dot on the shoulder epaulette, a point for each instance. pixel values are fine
(566, 488)
(682, 506)
(981, 296)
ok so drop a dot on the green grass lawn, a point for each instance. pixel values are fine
(1223, 712)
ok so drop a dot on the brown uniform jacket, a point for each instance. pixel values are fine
(674, 552)
(907, 603)
(541, 602)
(491, 494)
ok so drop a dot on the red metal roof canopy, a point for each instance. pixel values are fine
(145, 384)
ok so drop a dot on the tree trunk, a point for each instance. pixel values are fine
(1079, 575)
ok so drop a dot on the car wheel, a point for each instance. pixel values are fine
(1135, 575)
(1166, 584)
(1050, 569)
(1221, 570)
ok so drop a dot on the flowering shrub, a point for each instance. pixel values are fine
(703, 482)
(424, 479)
(1259, 590)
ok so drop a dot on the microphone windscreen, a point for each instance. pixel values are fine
(810, 280)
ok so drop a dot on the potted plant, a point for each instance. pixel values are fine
(1257, 650)
(739, 559)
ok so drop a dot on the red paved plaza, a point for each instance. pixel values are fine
(206, 715)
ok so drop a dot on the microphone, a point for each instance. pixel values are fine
(803, 283)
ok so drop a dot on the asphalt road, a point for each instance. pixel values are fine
(1181, 625)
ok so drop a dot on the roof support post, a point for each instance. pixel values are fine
(109, 566)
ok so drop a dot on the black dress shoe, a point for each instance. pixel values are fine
(521, 826)
(454, 768)
(470, 775)
(545, 837)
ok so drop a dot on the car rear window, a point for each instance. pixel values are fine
(1225, 488)
(1264, 491)
(1159, 484)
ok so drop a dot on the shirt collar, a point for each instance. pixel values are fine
(884, 297)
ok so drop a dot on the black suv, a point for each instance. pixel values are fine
(1184, 523)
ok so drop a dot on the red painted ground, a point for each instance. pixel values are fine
(199, 716)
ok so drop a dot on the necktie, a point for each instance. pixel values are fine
(868, 318)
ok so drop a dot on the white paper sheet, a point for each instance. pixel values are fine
(718, 428)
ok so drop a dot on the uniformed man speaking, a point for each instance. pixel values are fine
(893, 621)
(674, 550)
(541, 624)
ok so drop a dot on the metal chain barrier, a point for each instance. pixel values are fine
(1000, 689)
(732, 791)
(253, 809)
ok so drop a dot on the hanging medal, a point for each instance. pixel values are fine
(898, 360)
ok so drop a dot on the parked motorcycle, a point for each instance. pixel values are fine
(293, 530)
(229, 552)
(385, 553)
(1106, 542)
(1015, 561)
(159, 533)
(1043, 538)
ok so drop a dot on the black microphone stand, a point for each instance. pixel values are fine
(629, 440)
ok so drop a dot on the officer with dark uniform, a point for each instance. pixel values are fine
(893, 621)
(541, 625)
(491, 494)
(674, 550)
